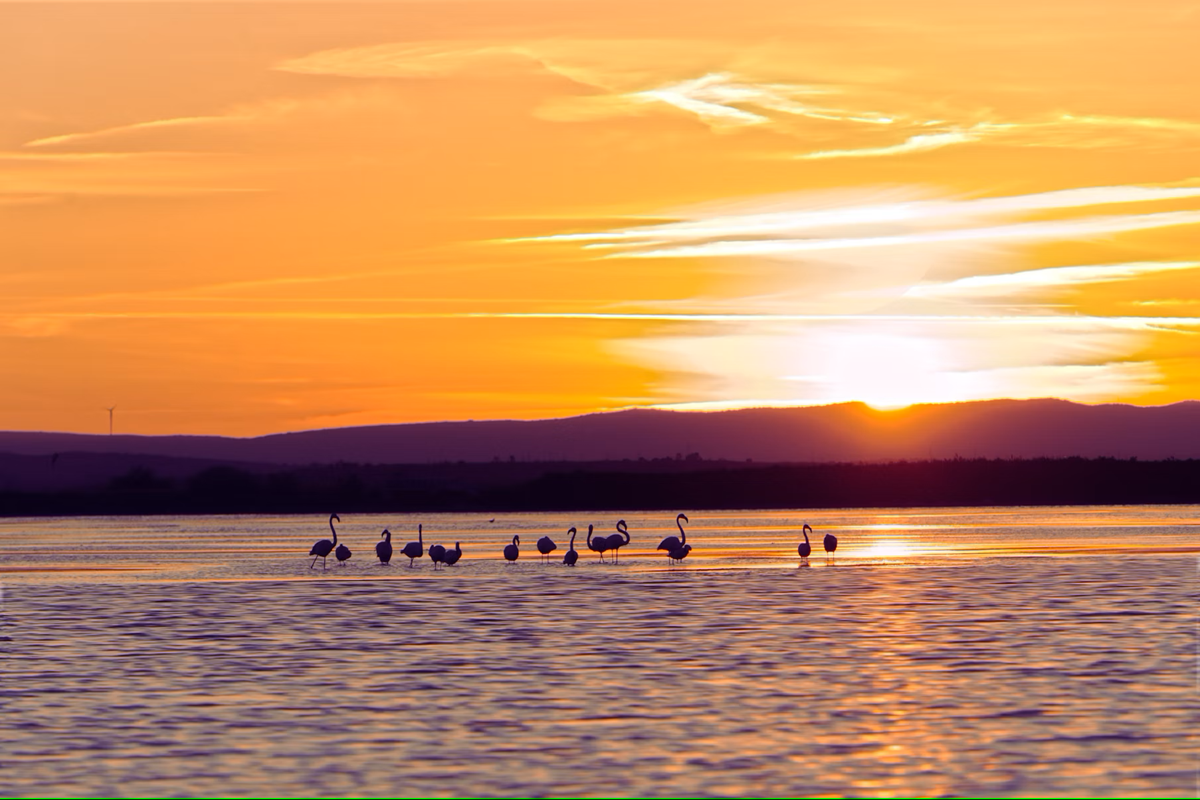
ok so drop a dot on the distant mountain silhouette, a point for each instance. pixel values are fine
(835, 433)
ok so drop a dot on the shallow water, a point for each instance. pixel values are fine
(944, 651)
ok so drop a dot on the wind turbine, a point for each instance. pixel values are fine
(111, 409)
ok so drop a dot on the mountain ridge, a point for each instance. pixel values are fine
(812, 434)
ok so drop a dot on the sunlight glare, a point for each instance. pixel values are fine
(888, 550)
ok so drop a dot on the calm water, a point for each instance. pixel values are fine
(963, 651)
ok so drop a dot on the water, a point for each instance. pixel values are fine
(962, 651)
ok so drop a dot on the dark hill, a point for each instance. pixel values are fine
(837, 433)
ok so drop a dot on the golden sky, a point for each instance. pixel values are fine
(242, 218)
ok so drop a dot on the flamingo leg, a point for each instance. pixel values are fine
(314, 563)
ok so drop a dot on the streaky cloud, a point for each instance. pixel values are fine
(918, 143)
(136, 127)
(1051, 277)
(802, 213)
(1057, 229)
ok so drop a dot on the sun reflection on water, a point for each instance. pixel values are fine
(888, 549)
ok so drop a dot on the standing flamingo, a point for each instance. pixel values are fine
(414, 550)
(452, 556)
(437, 554)
(342, 553)
(546, 546)
(615, 540)
(597, 545)
(384, 548)
(805, 548)
(572, 555)
(323, 548)
(511, 551)
(671, 542)
(830, 544)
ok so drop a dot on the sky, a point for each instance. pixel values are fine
(244, 218)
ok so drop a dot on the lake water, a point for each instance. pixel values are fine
(944, 651)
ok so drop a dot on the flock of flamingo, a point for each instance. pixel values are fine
(676, 547)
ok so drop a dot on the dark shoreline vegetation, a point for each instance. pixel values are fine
(657, 484)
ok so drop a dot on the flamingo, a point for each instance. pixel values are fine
(805, 548)
(384, 548)
(598, 544)
(680, 553)
(323, 548)
(414, 550)
(615, 541)
(342, 553)
(830, 544)
(572, 555)
(511, 551)
(671, 542)
(437, 554)
(452, 556)
(546, 546)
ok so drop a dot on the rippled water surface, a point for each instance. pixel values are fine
(944, 651)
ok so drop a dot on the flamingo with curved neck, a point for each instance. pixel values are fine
(672, 543)
(323, 548)
(572, 555)
(598, 544)
(615, 540)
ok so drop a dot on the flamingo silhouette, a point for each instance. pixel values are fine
(598, 544)
(414, 550)
(437, 554)
(615, 540)
(572, 555)
(679, 553)
(323, 548)
(672, 542)
(546, 546)
(342, 553)
(804, 548)
(830, 544)
(511, 551)
(384, 548)
(451, 557)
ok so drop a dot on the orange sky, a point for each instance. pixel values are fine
(246, 218)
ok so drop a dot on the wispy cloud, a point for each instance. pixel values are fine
(1039, 279)
(913, 144)
(1088, 227)
(136, 127)
(787, 225)
(633, 77)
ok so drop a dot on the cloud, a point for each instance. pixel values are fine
(136, 127)
(1089, 227)
(1035, 279)
(913, 144)
(787, 225)
(729, 89)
